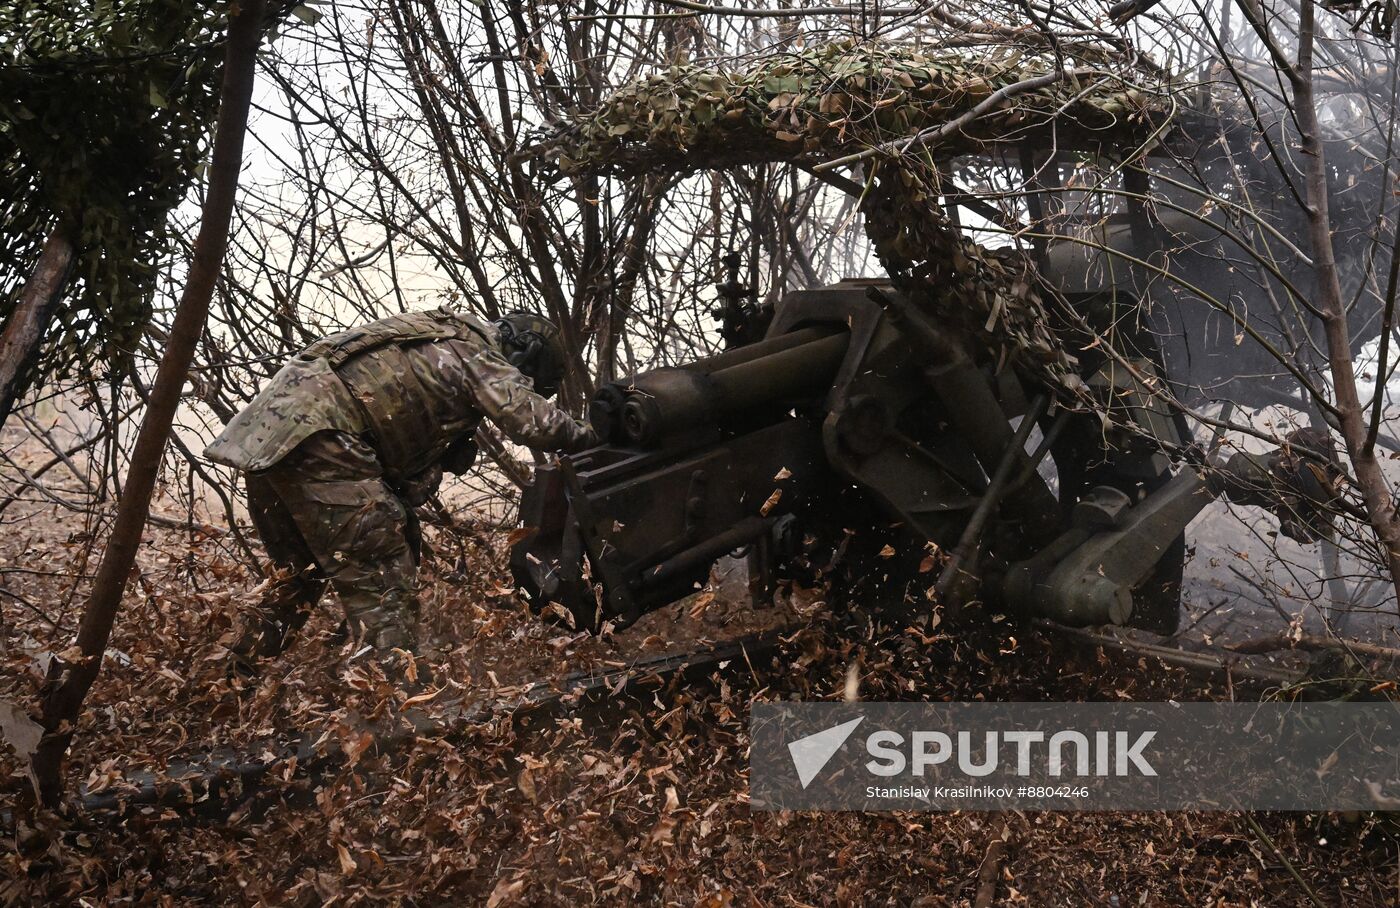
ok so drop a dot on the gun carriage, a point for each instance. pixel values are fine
(855, 423)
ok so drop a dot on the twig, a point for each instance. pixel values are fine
(39, 487)
(1278, 856)
(1196, 662)
(796, 13)
(31, 606)
(987, 873)
(936, 134)
(45, 436)
(1120, 13)
(1272, 602)
(176, 523)
(1312, 642)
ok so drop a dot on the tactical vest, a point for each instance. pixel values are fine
(357, 381)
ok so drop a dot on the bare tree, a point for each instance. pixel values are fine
(26, 326)
(396, 163)
(71, 682)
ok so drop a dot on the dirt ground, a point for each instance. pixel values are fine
(646, 803)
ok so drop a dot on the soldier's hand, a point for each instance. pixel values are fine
(588, 438)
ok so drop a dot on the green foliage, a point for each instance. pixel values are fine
(105, 110)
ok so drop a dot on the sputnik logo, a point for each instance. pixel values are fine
(813, 752)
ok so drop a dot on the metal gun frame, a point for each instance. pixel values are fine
(857, 416)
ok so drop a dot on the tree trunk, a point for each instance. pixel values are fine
(25, 328)
(1370, 479)
(71, 682)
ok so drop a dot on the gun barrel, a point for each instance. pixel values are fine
(782, 375)
(766, 347)
(663, 402)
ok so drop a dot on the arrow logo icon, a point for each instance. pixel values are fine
(811, 753)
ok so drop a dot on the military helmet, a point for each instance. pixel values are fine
(531, 343)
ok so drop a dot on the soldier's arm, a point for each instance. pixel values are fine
(504, 396)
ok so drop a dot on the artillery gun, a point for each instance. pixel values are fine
(857, 423)
(1001, 428)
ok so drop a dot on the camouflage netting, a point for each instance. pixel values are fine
(842, 98)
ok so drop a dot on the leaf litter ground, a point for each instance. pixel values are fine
(643, 802)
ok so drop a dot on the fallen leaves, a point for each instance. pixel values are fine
(647, 803)
(18, 730)
(701, 603)
(506, 891)
(525, 781)
(355, 746)
(22, 734)
(347, 862)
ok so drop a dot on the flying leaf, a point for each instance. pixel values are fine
(520, 533)
(306, 14)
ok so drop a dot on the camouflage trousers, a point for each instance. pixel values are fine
(325, 514)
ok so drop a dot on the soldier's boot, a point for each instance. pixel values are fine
(388, 622)
(283, 610)
(390, 625)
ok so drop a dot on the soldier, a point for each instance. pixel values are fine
(356, 431)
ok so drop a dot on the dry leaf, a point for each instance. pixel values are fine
(423, 697)
(355, 749)
(701, 603)
(519, 534)
(562, 614)
(21, 733)
(526, 783)
(771, 503)
(347, 863)
(663, 833)
(506, 890)
(1382, 800)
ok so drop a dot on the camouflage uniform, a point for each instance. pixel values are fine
(354, 433)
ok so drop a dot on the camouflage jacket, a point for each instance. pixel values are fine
(412, 385)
